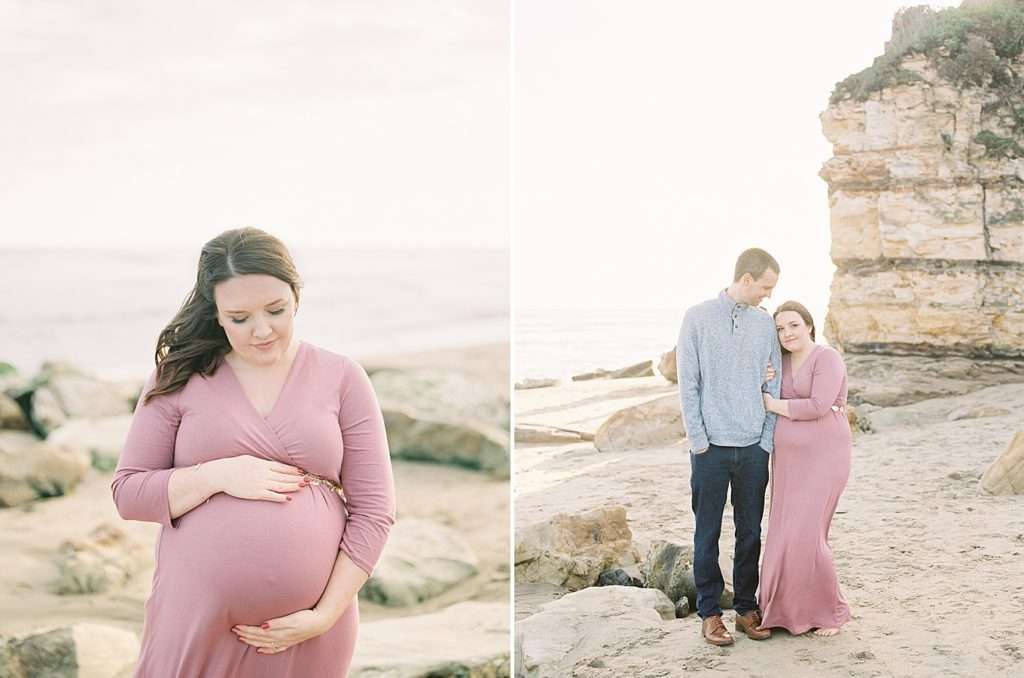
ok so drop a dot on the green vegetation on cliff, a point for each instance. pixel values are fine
(970, 45)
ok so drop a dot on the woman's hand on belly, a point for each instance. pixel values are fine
(277, 635)
(249, 477)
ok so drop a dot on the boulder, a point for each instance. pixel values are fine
(447, 395)
(445, 417)
(422, 560)
(63, 392)
(587, 625)
(656, 423)
(30, 468)
(106, 560)
(11, 415)
(467, 639)
(1006, 474)
(526, 384)
(618, 577)
(103, 438)
(529, 433)
(46, 411)
(572, 550)
(858, 417)
(682, 608)
(644, 369)
(79, 651)
(667, 366)
(415, 437)
(668, 567)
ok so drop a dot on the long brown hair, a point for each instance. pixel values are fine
(194, 341)
(799, 308)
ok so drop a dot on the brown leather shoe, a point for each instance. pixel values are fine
(715, 632)
(750, 624)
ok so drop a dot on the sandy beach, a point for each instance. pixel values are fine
(931, 566)
(473, 503)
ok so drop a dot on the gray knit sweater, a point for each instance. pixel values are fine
(723, 352)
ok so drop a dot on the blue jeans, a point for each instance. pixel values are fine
(711, 474)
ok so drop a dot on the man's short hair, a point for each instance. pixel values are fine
(755, 261)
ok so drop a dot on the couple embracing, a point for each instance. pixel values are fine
(742, 415)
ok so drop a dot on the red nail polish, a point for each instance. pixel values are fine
(264, 626)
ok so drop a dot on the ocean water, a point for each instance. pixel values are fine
(102, 310)
(560, 343)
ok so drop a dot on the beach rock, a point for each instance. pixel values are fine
(858, 418)
(106, 560)
(448, 395)
(64, 392)
(527, 433)
(572, 550)
(667, 366)
(1006, 474)
(45, 410)
(11, 415)
(79, 651)
(588, 376)
(617, 577)
(682, 608)
(893, 380)
(656, 423)
(976, 413)
(445, 417)
(422, 560)
(668, 567)
(526, 384)
(588, 624)
(30, 468)
(468, 639)
(103, 438)
(644, 369)
(411, 436)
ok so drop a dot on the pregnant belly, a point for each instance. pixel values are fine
(831, 431)
(253, 560)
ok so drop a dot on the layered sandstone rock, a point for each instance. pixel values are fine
(927, 217)
(572, 550)
(927, 232)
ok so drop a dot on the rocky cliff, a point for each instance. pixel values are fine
(926, 190)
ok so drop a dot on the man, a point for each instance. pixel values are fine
(725, 346)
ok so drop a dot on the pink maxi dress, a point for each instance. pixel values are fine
(810, 466)
(235, 561)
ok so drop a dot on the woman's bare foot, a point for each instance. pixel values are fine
(826, 632)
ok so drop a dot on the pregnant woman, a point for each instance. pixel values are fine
(810, 467)
(265, 460)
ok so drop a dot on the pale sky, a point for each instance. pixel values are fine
(654, 141)
(327, 123)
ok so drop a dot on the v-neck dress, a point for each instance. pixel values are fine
(810, 467)
(237, 561)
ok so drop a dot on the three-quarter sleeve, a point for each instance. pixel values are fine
(147, 459)
(365, 470)
(826, 382)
